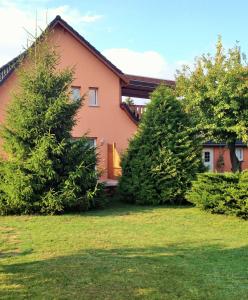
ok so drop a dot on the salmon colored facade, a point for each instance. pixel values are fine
(108, 122)
(219, 157)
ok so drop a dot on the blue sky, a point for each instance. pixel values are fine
(143, 37)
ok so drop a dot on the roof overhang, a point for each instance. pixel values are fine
(142, 87)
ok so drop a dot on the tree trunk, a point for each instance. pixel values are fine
(236, 165)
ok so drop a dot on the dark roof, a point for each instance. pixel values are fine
(150, 80)
(141, 86)
(238, 143)
(8, 68)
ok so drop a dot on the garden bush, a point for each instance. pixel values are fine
(223, 193)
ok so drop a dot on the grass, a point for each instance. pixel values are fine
(124, 252)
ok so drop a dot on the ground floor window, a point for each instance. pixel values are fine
(207, 157)
(92, 142)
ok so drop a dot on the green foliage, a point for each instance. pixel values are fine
(129, 101)
(215, 93)
(225, 193)
(125, 252)
(46, 171)
(164, 155)
(241, 196)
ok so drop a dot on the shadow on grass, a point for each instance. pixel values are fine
(173, 272)
(6, 254)
(118, 208)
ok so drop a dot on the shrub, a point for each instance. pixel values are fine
(164, 155)
(45, 171)
(223, 193)
(242, 195)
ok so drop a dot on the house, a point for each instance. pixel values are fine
(108, 122)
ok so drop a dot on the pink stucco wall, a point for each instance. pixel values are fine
(108, 123)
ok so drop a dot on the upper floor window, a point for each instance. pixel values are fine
(239, 154)
(93, 96)
(75, 93)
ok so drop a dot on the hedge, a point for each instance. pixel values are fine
(222, 193)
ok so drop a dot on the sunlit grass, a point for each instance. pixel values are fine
(124, 252)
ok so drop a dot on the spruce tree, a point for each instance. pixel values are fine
(164, 155)
(46, 171)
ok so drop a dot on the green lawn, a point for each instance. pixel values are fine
(124, 252)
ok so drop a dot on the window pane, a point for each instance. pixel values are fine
(207, 156)
(93, 97)
(75, 93)
(92, 142)
(239, 153)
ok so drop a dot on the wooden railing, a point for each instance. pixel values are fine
(138, 110)
(134, 111)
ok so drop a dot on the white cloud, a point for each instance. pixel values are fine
(147, 63)
(15, 16)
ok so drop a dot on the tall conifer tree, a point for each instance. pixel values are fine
(164, 156)
(46, 171)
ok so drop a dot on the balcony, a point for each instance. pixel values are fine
(133, 111)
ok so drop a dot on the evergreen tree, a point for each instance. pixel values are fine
(46, 171)
(164, 155)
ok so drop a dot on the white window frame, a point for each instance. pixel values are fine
(239, 153)
(92, 139)
(208, 164)
(93, 103)
(75, 97)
